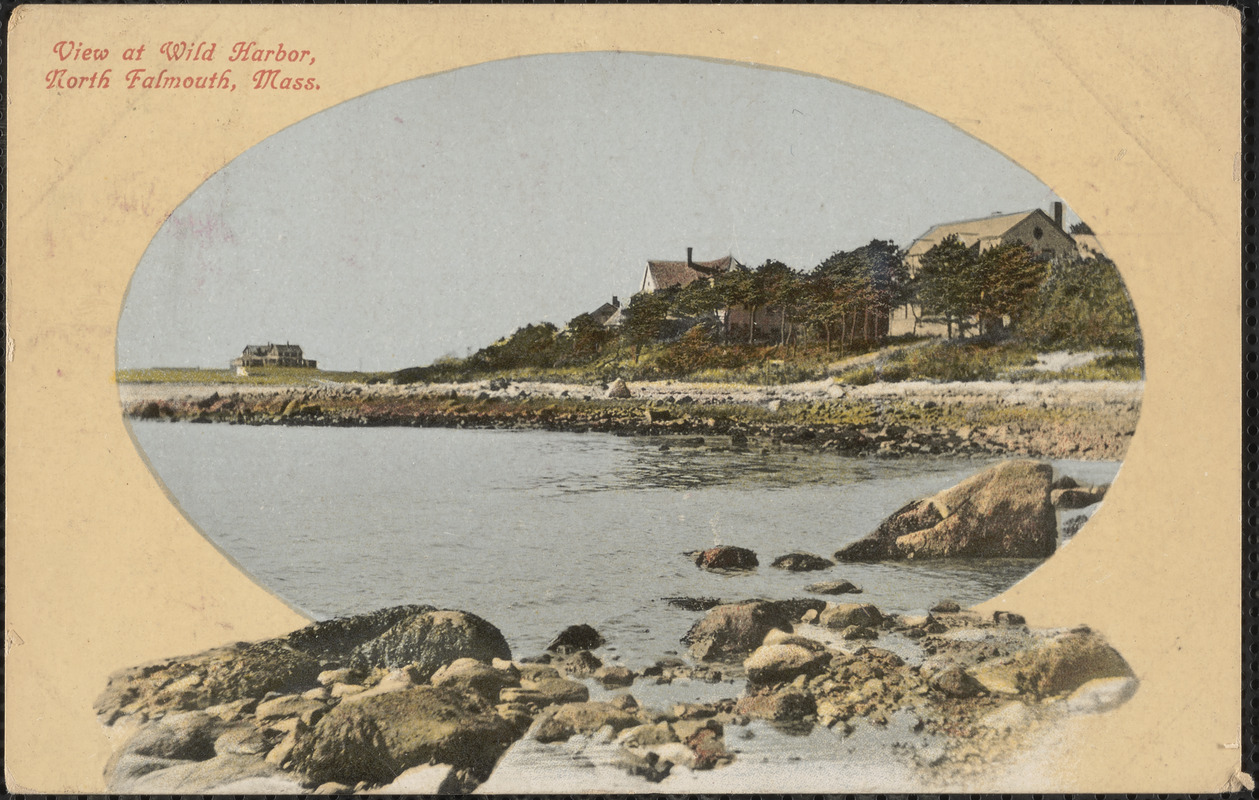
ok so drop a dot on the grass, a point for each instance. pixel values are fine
(258, 376)
(980, 360)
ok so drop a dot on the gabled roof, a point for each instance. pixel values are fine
(668, 274)
(971, 231)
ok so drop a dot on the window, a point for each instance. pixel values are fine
(1037, 232)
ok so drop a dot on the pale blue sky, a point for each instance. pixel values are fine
(439, 214)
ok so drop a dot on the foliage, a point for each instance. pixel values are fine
(948, 282)
(1082, 304)
(1081, 227)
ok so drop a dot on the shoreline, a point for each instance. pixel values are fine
(1066, 420)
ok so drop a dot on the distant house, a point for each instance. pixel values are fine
(673, 274)
(272, 355)
(1042, 234)
(609, 315)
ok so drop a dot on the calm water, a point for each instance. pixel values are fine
(538, 530)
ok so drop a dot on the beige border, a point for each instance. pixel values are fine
(1132, 114)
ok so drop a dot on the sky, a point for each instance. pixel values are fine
(435, 216)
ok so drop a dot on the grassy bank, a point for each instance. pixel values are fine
(258, 376)
(980, 360)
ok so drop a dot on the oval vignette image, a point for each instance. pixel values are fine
(651, 422)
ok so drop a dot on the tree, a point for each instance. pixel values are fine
(1009, 277)
(949, 282)
(586, 337)
(733, 288)
(1082, 303)
(776, 284)
(645, 318)
(1081, 227)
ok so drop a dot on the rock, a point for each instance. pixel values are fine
(778, 636)
(648, 765)
(624, 701)
(802, 562)
(581, 664)
(648, 735)
(431, 639)
(188, 737)
(426, 779)
(342, 675)
(291, 705)
(1078, 497)
(1101, 694)
(833, 587)
(692, 603)
(1072, 526)
(378, 738)
(786, 706)
(957, 682)
(618, 389)
(708, 748)
(858, 632)
(574, 638)
(1055, 666)
(470, 675)
(779, 663)
(216, 677)
(946, 607)
(726, 557)
(332, 787)
(394, 681)
(843, 615)
(774, 405)
(551, 691)
(614, 676)
(736, 629)
(230, 774)
(345, 689)
(587, 717)
(1004, 511)
(1008, 618)
(230, 712)
(244, 740)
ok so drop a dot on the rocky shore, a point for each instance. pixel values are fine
(1085, 420)
(415, 699)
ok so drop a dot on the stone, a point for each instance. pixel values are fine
(946, 607)
(778, 636)
(429, 640)
(618, 389)
(858, 632)
(1077, 497)
(470, 675)
(647, 765)
(838, 617)
(802, 562)
(624, 701)
(1008, 618)
(614, 676)
(332, 787)
(1004, 511)
(378, 738)
(833, 587)
(957, 682)
(291, 705)
(342, 675)
(1010, 717)
(708, 748)
(553, 691)
(581, 664)
(190, 736)
(786, 706)
(1054, 666)
(243, 740)
(426, 779)
(574, 638)
(736, 629)
(573, 718)
(779, 663)
(684, 729)
(726, 557)
(345, 689)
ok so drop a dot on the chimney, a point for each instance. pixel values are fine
(616, 303)
(689, 263)
(1058, 213)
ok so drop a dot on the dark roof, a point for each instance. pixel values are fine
(668, 274)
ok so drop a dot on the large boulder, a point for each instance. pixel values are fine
(844, 615)
(574, 718)
(1004, 511)
(802, 562)
(222, 675)
(1078, 496)
(377, 739)
(574, 638)
(726, 557)
(430, 640)
(734, 630)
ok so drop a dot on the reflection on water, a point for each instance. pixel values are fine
(537, 530)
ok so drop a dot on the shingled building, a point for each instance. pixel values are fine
(272, 355)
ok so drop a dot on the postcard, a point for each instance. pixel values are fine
(637, 400)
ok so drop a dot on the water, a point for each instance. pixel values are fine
(538, 530)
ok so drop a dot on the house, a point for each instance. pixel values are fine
(272, 355)
(609, 315)
(1041, 233)
(673, 274)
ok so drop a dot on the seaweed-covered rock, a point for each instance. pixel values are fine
(802, 562)
(726, 557)
(574, 638)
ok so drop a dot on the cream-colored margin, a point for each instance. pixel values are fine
(1132, 114)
